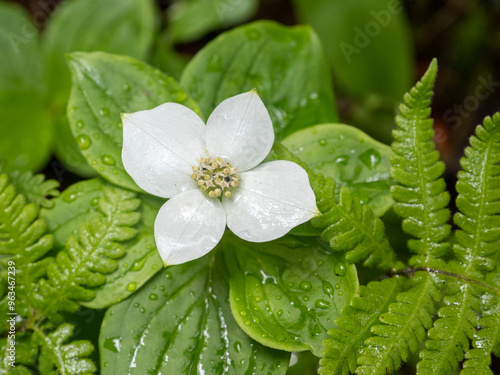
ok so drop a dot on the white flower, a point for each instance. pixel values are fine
(212, 177)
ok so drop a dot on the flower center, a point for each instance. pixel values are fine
(215, 176)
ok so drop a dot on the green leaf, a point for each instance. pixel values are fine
(285, 65)
(59, 357)
(90, 253)
(180, 322)
(35, 188)
(351, 157)
(24, 124)
(23, 240)
(353, 327)
(84, 25)
(76, 206)
(420, 194)
(368, 43)
(286, 294)
(191, 19)
(104, 86)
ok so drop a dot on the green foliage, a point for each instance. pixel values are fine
(286, 294)
(35, 188)
(189, 20)
(351, 157)
(181, 322)
(76, 206)
(59, 357)
(105, 86)
(348, 226)
(342, 349)
(420, 194)
(23, 241)
(285, 64)
(476, 249)
(90, 253)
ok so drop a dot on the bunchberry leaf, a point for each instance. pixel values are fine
(180, 322)
(351, 157)
(286, 294)
(279, 61)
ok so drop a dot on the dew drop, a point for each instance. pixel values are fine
(247, 323)
(371, 158)
(256, 320)
(136, 304)
(131, 287)
(341, 293)
(243, 313)
(79, 124)
(257, 299)
(237, 299)
(320, 263)
(153, 297)
(342, 159)
(142, 310)
(327, 288)
(340, 269)
(108, 159)
(279, 312)
(83, 141)
(322, 142)
(104, 111)
(322, 304)
(94, 201)
(168, 275)
(237, 346)
(305, 285)
(337, 286)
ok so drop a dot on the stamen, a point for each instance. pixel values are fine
(216, 177)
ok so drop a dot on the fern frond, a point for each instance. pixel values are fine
(59, 357)
(420, 196)
(477, 242)
(479, 200)
(90, 253)
(485, 341)
(348, 226)
(342, 349)
(22, 240)
(405, 325)
(35, 188)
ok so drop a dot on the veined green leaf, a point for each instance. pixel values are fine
(286, 65)
(141, 261)
(104, 86)
(286, 293)
(180, 322)
(351, 157)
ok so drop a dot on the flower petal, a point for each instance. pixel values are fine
(188, 226)
(273, 198)
(160, 146)
(240, 131)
